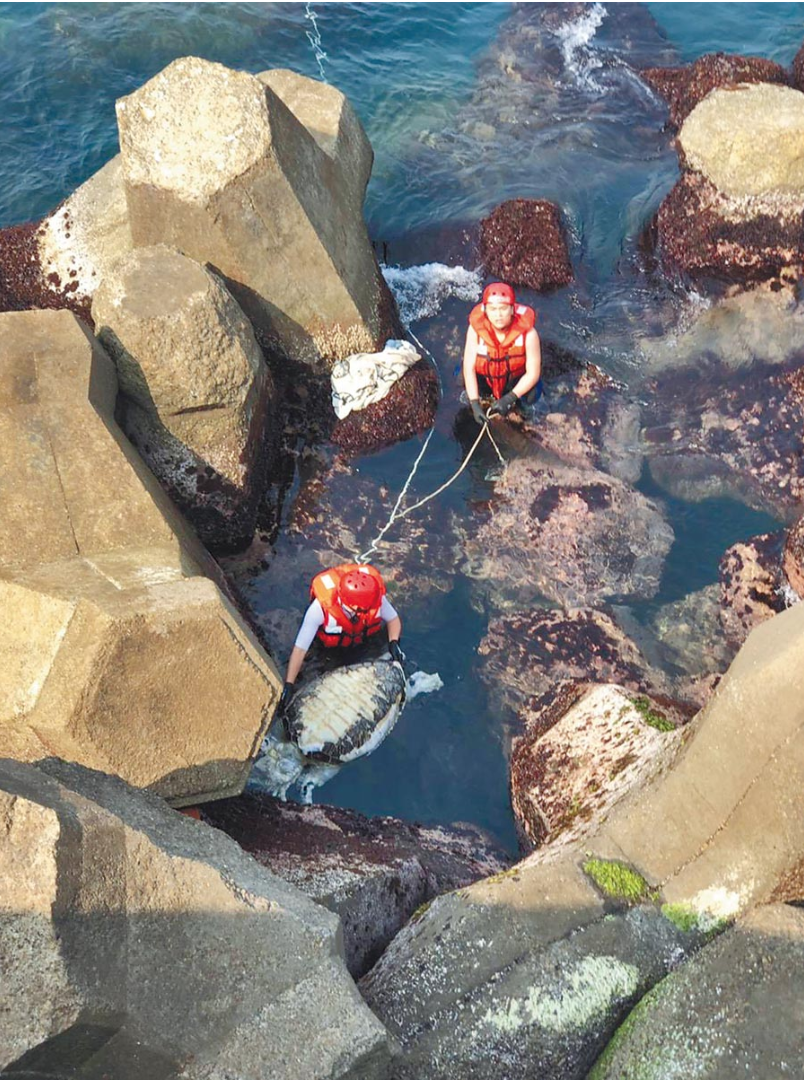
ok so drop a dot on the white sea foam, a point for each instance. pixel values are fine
(574, 39)
(788, 595)
(420, 291)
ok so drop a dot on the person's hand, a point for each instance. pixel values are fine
(396, 652)
(504, 405)
(477, 412)
(285, 698)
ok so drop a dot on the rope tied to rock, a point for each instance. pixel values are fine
(396, 513)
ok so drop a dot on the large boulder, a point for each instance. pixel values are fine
(196, 390)
(569, 945)
(407, 409)
(751, 585)
(793, 559)
(735, 212)
(684, 88)
(121, 647)
(216, 164)
(375, 873)
(574, 536)
(138, 942)
(733, 1010)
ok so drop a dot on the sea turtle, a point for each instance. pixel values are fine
(339, 716)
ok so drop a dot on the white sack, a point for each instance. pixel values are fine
(364, 378)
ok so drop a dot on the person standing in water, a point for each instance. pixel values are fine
(348, 606)
(502, 355)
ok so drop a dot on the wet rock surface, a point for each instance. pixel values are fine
(22, 282)
(711, 1018)
(689, 634)
(375, 873)
(573, 536)
(407, 409)
(751, 585)
(580, 755)
(528, 654)
(713, 432)
(523, 242)
(684, 88)
(735, 213)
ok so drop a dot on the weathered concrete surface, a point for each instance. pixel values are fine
(271, 210)
(85, 237)
(733, 1010)
(503, 979)
(684, 88)
(122, 919)
(574, 536)
(568, 771)
(119, 646)
(372, 872)
(735, 212)
(523, 242)
(197, 394)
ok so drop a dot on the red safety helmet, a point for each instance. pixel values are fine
(359, 591)
(498, 290)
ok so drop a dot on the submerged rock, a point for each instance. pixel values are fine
(529, 654)
(372, 872)
(580, 755)
(407, 409)
(312, 288)
(731, 1010)
(684, 88)
(196, 391)
(712, 432)
(153, 946)
(690, 634)
(574, 536)
(735, 213)
(522, 242)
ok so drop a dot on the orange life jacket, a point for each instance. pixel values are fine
(500, 361)
(338, 629)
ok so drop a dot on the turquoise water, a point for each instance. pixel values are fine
(454, 134)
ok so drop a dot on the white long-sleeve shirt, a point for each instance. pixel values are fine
(314, 618)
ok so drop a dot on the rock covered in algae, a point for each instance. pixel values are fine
(568, 771)
(574, 536)
(407, 409)
(684, 88)
(751, 585)
(523, 242)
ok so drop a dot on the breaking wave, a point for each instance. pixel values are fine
(574, 39)
(420, 291)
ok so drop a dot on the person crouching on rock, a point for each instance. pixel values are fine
(348, 607)
(502, 356)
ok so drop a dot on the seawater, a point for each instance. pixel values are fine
(452, 139)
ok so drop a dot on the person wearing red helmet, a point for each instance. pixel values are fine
(348, 607)
(502, 356)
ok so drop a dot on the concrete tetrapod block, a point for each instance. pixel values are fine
(469, 988)
(217, 165)
(137, 942)
(196, 388)
(118, 645)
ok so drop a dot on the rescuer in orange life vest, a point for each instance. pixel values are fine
(502, 355)
(348, 606)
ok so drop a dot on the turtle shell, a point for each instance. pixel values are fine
(347, 713)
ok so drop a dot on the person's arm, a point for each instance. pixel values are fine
(313, 618)
(533, 364)
(393, 623)
(469, 359)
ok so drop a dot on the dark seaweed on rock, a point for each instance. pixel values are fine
(523, 242)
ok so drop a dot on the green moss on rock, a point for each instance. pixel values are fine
(616, 880)
(652, 716)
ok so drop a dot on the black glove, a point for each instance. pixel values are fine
(286, 697)
(396, 652)
(504, 405)
(477, 412)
